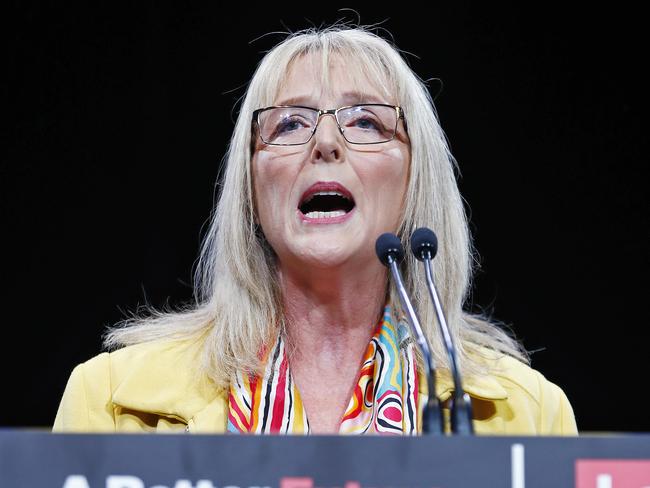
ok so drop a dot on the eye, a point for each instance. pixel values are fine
(290, 124)
(364, 119)
(365, 123)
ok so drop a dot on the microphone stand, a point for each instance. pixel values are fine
(461, 404)
(432, 420)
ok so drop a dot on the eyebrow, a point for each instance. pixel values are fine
(349, 98)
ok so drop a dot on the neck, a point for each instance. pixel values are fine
(331, 313)
(330, 316)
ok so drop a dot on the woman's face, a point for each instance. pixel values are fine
(324, 203)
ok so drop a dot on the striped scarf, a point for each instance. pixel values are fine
(385, 397)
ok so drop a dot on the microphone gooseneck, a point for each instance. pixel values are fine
(390, 252)
(424, 245)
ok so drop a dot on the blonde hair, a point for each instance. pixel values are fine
(238, 305)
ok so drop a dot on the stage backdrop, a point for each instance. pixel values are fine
(118, 119)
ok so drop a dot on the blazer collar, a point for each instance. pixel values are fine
(482, 387)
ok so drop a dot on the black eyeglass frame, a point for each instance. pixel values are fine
(334, 111)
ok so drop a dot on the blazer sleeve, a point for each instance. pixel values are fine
(557, 417)
(86, 404)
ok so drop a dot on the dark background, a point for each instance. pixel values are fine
(118, 118)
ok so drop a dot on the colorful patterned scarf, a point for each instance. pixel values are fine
(385, 398)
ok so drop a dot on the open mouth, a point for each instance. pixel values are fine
(326, 201)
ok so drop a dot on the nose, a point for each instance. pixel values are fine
(328, 140)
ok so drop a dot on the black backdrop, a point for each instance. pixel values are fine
(118, 119)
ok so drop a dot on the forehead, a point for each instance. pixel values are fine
(313, 80)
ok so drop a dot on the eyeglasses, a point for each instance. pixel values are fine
(291, 125)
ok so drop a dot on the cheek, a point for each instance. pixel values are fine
(393, 167)
(271, 186)
(386, 181)
(399, 166)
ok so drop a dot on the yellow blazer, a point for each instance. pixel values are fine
(155, 387)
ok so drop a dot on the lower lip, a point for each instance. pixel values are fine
(326, 220)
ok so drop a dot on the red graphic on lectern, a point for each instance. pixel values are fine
(612, 473)
(309, 483)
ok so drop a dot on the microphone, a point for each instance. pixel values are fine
(390, 252)
(424, 245)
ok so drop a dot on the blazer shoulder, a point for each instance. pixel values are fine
(149, 358)
(513, 374)
(526, 385)
(85, 403)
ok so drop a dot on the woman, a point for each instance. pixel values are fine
(295, 327)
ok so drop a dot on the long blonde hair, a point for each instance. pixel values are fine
(238, 305)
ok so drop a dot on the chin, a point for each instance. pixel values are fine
(330, 252)
(322, 256)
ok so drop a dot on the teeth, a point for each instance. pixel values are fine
(322, 193)
(324, 215)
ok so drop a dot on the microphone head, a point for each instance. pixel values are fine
(388, 244)
(423, 240)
